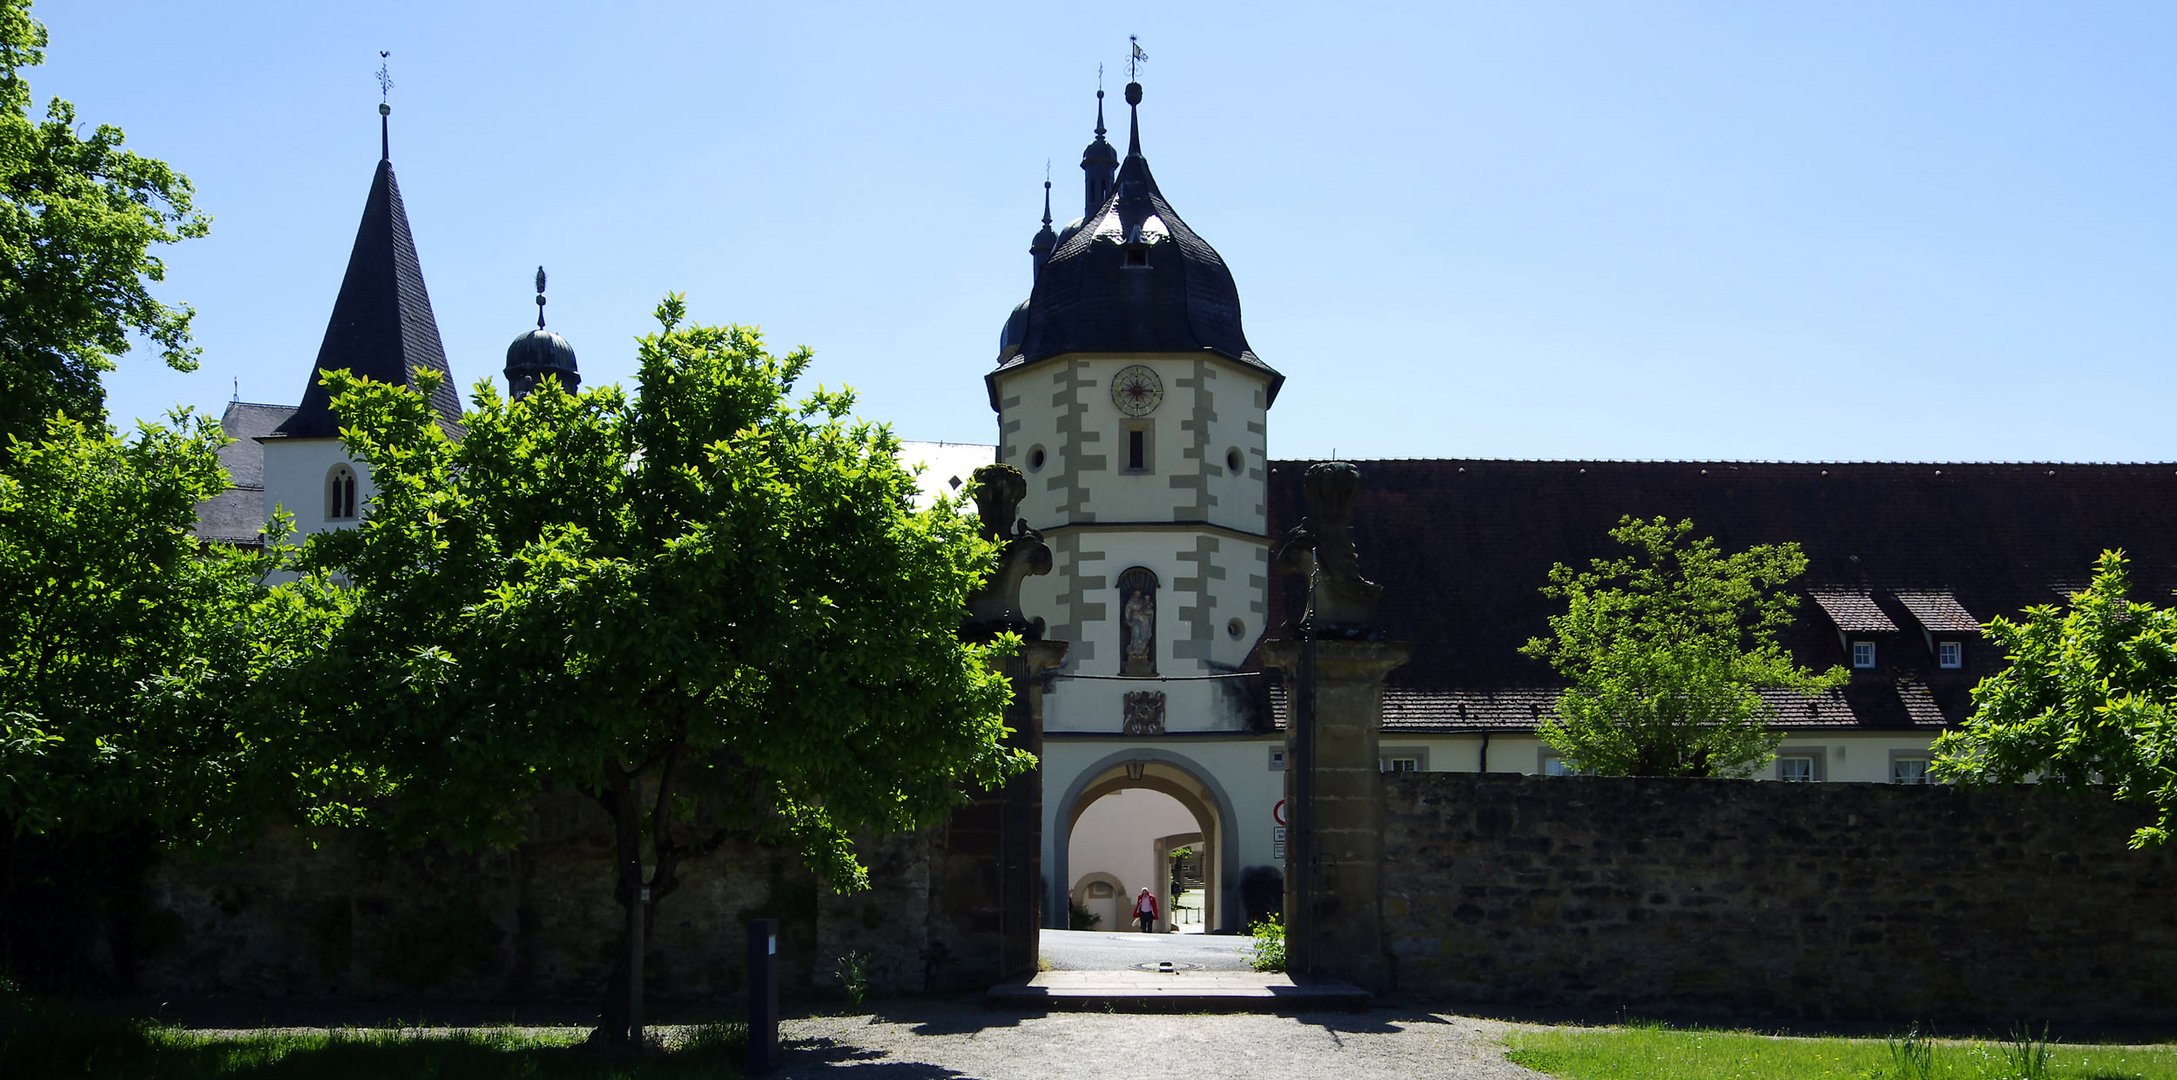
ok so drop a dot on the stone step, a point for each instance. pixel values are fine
(1177, 992)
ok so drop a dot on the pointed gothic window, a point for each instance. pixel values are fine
(1138, 622)
(340, 494)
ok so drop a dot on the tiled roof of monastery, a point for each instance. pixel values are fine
(237, 515)
(1462, 547)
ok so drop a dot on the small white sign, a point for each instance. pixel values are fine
(774, 944)
(1277, 843)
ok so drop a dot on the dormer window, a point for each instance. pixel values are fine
(1950, 654)
(340, 494)
(1863, 655)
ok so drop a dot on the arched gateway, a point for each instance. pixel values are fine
(1153, 769)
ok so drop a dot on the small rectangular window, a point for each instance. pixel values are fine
(1277, 759)
(1137, 450)
(1796, 768)
(1552, 765)
(1908, 770)
(1863, 654)
(1950, 654)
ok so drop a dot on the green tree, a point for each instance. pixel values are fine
(131, 655)
(1668, 650)
(711, 609)
(79, 219)
(2086, 701)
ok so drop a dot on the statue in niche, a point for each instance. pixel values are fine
(1137, 622)
(1144, 713)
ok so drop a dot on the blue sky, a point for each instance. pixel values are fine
(1795, 231)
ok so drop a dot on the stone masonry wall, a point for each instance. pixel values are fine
(351, 917)
(1816, 901)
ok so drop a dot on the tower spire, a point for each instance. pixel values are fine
(385, 107)
(1099, 163)
(1039, 249)
(1134, 60)
(540, 298)
(1133, 119)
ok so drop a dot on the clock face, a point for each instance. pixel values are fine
(1136, 390)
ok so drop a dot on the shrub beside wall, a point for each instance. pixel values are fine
(1735, 898)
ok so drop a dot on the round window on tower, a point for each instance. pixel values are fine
(1234, 460)
(1035, 459)
(1235, 628)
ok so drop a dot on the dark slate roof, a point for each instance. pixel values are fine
(1938, 612)
(1852, 610)
(381, 326)
(237, 515)
(1462, 546)
(1088, 299)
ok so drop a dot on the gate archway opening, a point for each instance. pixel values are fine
(1174, 803)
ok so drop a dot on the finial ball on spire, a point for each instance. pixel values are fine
(1133, 93)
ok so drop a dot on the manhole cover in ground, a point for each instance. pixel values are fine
(1168, 966)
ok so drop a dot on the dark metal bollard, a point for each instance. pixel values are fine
(763, 995)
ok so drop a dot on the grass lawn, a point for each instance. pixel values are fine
(1659, 1053)
(46, 1039)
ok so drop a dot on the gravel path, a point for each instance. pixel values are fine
(915, 1041)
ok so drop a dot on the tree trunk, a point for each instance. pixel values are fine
(616, 1014)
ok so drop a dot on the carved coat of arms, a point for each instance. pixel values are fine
(1144, 712)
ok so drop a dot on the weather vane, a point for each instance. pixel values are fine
(1136, 60)
(385, 76)
(540, 298)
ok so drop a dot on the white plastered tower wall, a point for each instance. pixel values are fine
(297, 474)
(1188, 516)
(1196, 516)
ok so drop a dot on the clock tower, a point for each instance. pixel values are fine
(1127, 395)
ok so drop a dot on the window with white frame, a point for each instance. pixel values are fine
(1908, 769)
(1405, 759)
(1802, 768)
(1863, 654)
(1950, 654)
(1552, 765)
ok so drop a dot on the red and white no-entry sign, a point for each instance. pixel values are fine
(1277, 813)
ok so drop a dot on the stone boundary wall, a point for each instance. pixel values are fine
(1822, 902)
(350, 917)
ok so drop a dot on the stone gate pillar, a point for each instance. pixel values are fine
(986, 873)
(1334, 666)
(1334, 809)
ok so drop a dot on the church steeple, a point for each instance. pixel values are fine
(382, 326)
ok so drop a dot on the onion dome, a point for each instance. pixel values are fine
(1039, 249)
(1134, 278)
(1099, 163)
(539, 354)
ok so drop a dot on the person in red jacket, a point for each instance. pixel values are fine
(1145, 911)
